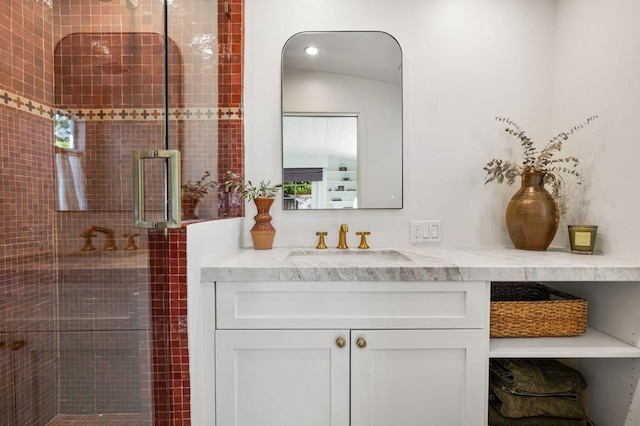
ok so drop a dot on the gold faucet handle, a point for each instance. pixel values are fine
(131, 241)
(363, 239)
(321, 244)
(88, 244)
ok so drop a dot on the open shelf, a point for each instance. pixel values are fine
(591, 344)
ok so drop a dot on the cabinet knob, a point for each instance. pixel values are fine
(340, 342)
(361, 343)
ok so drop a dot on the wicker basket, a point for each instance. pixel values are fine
(534, 310)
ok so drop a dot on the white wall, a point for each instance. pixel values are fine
(546, 64)
(597, 71)
(206, 242)
(464, 62)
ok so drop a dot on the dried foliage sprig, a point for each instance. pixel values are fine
(200, 188)
(556, 170)
(249, 191)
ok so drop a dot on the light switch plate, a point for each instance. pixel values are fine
(426, 231)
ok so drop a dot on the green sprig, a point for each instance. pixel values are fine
(249, 191)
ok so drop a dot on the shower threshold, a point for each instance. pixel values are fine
(99, 420)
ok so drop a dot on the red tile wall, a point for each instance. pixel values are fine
(28, 227)
(101, 78)
(169, 331)
(160, 281)
(27, 264)
(230, 77)
(178, 339)
(230, 157)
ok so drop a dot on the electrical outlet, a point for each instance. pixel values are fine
(426, 231)
(416, 231)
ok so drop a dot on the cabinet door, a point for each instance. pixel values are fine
(419, 377)
(282, 378)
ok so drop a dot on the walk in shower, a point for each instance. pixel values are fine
(86, 316)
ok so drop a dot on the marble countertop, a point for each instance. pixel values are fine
(419, 264)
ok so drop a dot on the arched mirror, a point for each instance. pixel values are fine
(342, 121)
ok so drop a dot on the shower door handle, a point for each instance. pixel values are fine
(172, 159)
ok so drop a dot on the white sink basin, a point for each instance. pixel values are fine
(345, 257)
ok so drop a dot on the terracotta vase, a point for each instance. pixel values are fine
(532, 215)
(189, 208)
(263, 232)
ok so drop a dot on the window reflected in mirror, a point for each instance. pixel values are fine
(320, 162)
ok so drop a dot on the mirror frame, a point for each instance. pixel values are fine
(347, 110)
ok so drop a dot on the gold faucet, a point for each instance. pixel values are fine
(110, 244)
(342, 238)
(363, 239)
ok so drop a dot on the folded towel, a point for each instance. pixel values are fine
(516, 406)
(495, 419)
(536, 376)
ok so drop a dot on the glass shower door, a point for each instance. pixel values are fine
(108, 320)
(129, 76)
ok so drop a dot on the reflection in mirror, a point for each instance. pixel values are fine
(342, 121)
(320, 162)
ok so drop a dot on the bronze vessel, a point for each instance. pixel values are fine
(532, 215)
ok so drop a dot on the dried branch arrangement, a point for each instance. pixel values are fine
(533, 160)
(200, 188)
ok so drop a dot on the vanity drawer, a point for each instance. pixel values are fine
(368, 305)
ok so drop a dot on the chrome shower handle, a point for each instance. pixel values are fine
(173, 188)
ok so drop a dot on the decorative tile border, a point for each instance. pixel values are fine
(23, 104)
(119, 114)
(153, 114)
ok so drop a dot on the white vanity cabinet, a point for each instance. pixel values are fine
(418, 377)
(351, 353)
(281, 377)
(426, 325)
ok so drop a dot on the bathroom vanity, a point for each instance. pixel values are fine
(401, 337)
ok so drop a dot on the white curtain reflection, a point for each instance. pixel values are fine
(70, 181)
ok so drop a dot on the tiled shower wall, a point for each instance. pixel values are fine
(230, 157)
(112, 84)
(114, 94)
(231, 72)
(27, 265)
(32, 228)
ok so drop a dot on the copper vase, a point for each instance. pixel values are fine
(189, 205)
(263, 232)
(532, 214)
